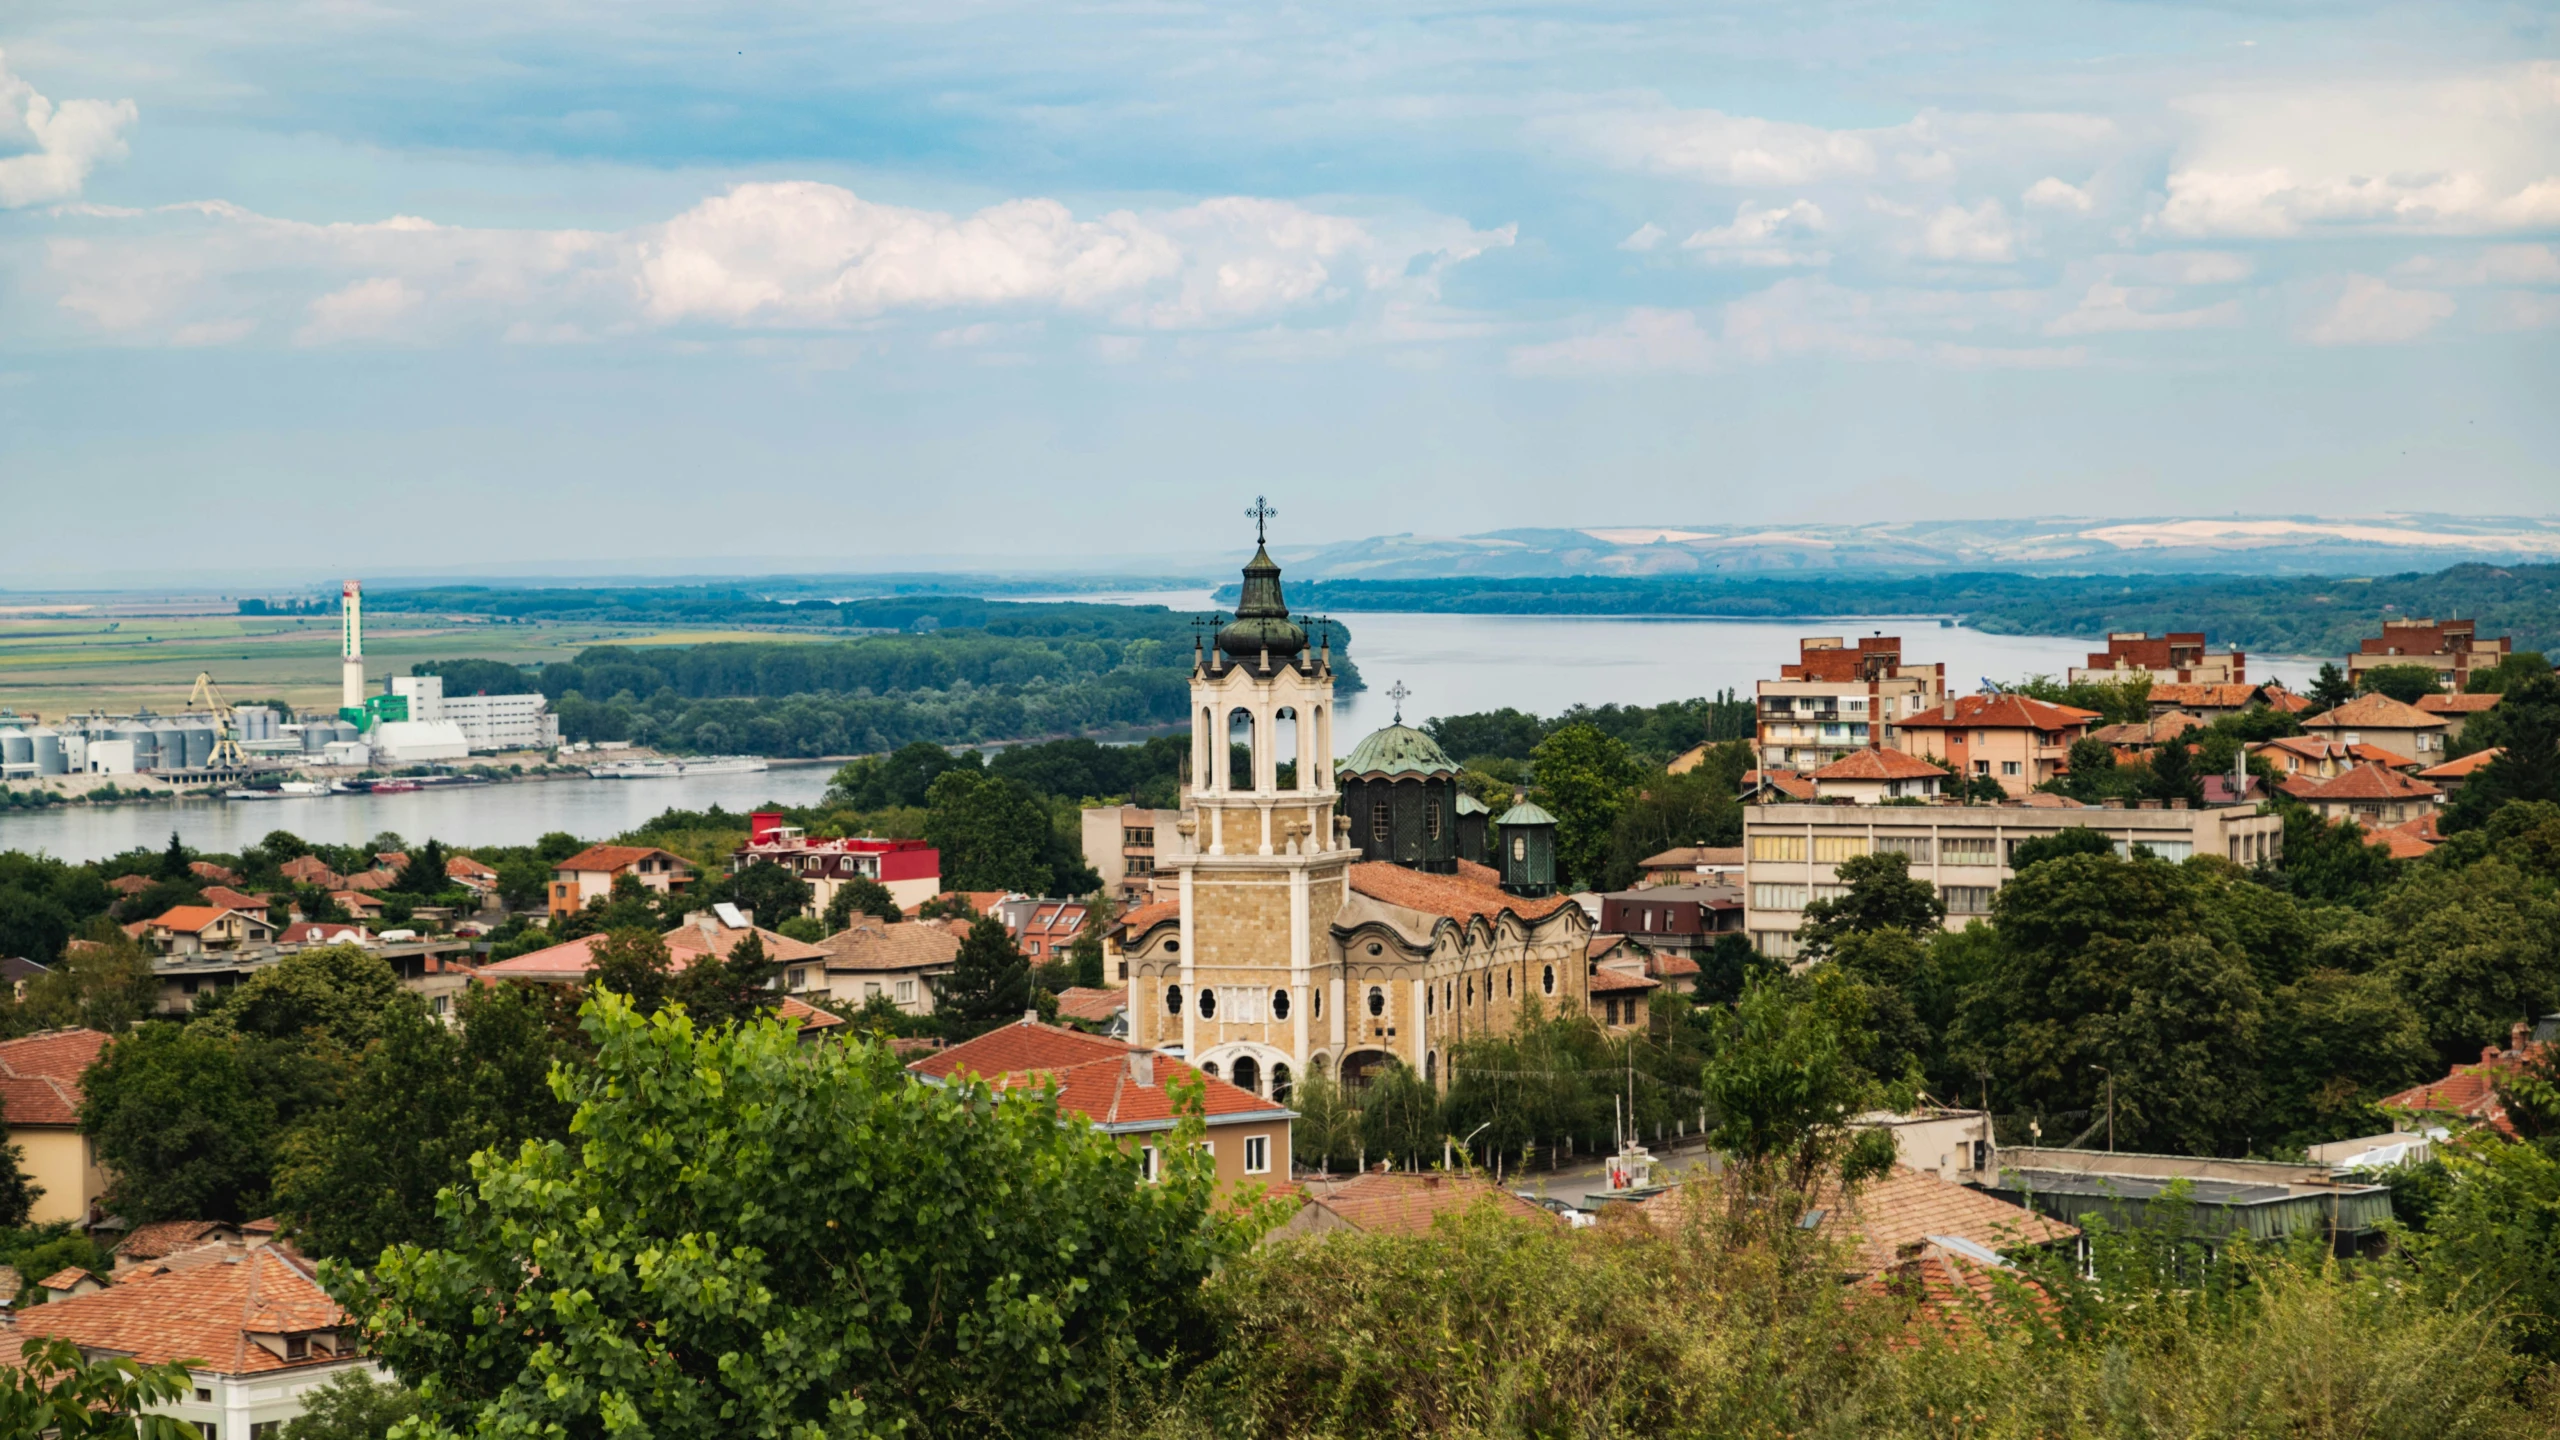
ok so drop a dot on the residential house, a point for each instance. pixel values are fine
(572, 962)
(2377, 719)
(589, 874)
(2019, 742)
(721, 929)
(1126, 1092)
(471, 875)
(1120, 845)
(40, 1100)
(1103, 1010)
(1677, 919)
(357, 903)
(206, 872)
(310, 870)
(1839, 697)
(375, 880)
(70, 1282)
(2451, 648)
(1621, 994)
(2304, 760)
(226, 898)
(326, 932)
(2408, 840)
(910, 870)
(1042, 929)
(1389, 1202)
(2468, 1094)
(149, 1244)
(257, 1328)
(2370, 795)
(131, 884)
(1873, 775)
(900, 962)
(1794, 850)
(2452, 775)
(1954, 1145)
(1767, 787)
(2212, 702)
(186, 929)
(980, 902)
(1689, 864)
(17, 972)
(2456, 710)
(2177, 658)
(2134, 739)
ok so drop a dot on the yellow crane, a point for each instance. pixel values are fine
(207, 696)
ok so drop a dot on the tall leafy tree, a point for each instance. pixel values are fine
(355, 1406)
(734, 986)
(2074, 840)
(2528, 768)
(1400, 1117)
(1084, 953)
(633, 962)
(859, 896)
(1780, 1088)
(424, 874)
(2173, 774)
(175, 859)
(181, 1125)
(771, 893)
(755, 1237)
(993, 833)
(2330, 688)
(2405, 683)
(1586, 778)
(989, 984)
(1881, 894)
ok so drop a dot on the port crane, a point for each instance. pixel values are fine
(207, 697)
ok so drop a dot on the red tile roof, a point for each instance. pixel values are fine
(188, 919)
(40, 1077)
(463, 867)
(1673, 967)
(2374, 711)
(207, 870)
(167, 1237)
(372, 880)
(311, 870)
(325, 932)
(568, 961)
(131, 884)
(616, 858)
(1139, 920)
(1908, 1206)
(2469, 1092)
(201, 1312)
(705, 937)
(981, 902)
(1953, 1290)
(808, 1017)
(2001, 712)
(1605, 981)
(2371, 782)
(1463, 896)
(1785, 782)
(1093, 1003)
(2461, 769)
(1092, 1075)
(67, 1278)
(355, 900)
(2457, 704)
(1878, 764)
(223, 897)
(2399, 844)
(907, 945)
(2216, 697)
(1407, 1204)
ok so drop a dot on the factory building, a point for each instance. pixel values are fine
(486, 722)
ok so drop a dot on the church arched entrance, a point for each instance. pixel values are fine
(1359, 1067)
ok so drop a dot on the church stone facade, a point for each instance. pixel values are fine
(1309, 934)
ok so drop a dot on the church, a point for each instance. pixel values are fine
(1330, 918)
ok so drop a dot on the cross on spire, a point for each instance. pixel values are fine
(1398, 694)
(1260, 514)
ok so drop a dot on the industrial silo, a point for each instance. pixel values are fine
(255, 722)
(146, 741)
(198, 733)
(315, 733)
(17, 752)
(50, 759)
(173, 743)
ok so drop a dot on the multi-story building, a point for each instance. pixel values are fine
(1120, 843)
(2019, 742)
(487, 722)
(911, 870)
(2412, 735)
(589, 874)
(1837, 698)
(2177, 658)
(2371, 795)
(40, 1083)
(2452, 648)
(1964, 850)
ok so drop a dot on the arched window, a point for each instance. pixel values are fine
(1519, 847)
(1289, 748)
(1381, 825)
(1279, 1004)
(1208, 752)
(1245, 1074)
(1431, 1068)
(1471, 989)
(1431, 817)
(1448, 994)
(1173, 999)
(1244, 747)
(1549, 981)
(1208, 1002)
(1318, 1009)
(1281, 1087)
(1210, 1069)
(1427, 999)
(1377, 1000)
(1506, 987)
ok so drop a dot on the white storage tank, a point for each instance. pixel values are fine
(48, 748)
(143, 740)
(198, 735)
(17, 752)
(346, 752)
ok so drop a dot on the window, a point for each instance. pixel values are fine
(1173, 999)
(870, 989)
(1431, 1068)
(1832, 849)
(906, 992)
(1520, 848)
(1377, 1001)
(1147, 1163)
(1830, 892)
(1431, 818)
(1648, 917)
(203, 1396)
(1967, 850)
(1967, 899)
(1981, 767)
(1506, 987)
(797, 979)
(1380, 826)
(1777, 847)
(443, 1003)
(1429, 1000)
(1281, 1084)
(1208, 1003)
(1209, 1068)
(1257, 1155)
(1548, 981)
(1245, 1074)
(1279, 1004)
(1777, 897)
(1914, 847)
(1317, 1003)
(297, 1347)
(2008, 767)
(1471, 990)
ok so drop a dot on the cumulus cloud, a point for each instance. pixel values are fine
(1978, 235)
(2107, 306)
(2366, 311)
(1763, 235)
(2053, 194)
(47, 150)
(1797, 318)
(1752, 152)
(768, 256)
(1646, 236)
(2471, 154)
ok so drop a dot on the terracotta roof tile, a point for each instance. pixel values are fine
(376, 879)
(705, 937)
(311, 870)
(2399, 844)
(167, 1237)
(207, 870)
(55, 1054)
(1692, 856)
(325, 932)
(225, 898)
(1954, 1291)
(463, 867)
(68, 1277)
(1461, 897)
(1093, 1003)
(1610, 982)
(616, 857)
(2457, 704)
(1092, 1076)
(1907, 1207)
(2371, 782)
(1785, 782)
(1407, 1204)
(2001, 712)
(2229, 696)
(1878, 764)
(131, 884)
(201, 1312)
(907, 945)
(188, 919)
(2461, 769)
(1141, 919)
(808, 1017)
(2374, 710)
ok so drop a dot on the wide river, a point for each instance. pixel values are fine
(1451, 664)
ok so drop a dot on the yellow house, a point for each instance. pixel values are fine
(40, 1086)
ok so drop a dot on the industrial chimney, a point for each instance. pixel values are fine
(351, 645)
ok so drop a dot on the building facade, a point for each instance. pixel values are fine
(910, 870)
(2175, 658)
(1839, 697)
(487, 722)
(2451, 648)
(1794, 851)
(1121, 844)
(2020, 743)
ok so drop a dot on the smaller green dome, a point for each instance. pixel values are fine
(1398, 750)
(1525, 813)
(1470, 805)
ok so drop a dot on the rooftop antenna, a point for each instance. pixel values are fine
(1398, 694)
(1260, 512)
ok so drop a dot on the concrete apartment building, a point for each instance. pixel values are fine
(1120, 844)
(2452, 648)
(1793, 851)
(2177, 658)
(2019, 742)
(1838, 698)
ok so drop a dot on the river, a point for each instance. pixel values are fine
(1451, 664)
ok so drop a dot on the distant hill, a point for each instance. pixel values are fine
(2245, 545)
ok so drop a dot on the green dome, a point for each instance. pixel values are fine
(1470, 805)
(1398, 750)
(1525, 813)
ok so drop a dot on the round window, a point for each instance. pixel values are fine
(1375, 947)
(1377, 1001)
(1208, 1002)
(1173, 999)
(1279, 1004)
(1173, 947)
(1549, 980)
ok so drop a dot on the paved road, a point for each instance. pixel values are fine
(1584, 1177)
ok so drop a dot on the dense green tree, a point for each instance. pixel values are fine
(355, 1406)
(903, 777)
(2336, 1043)
(157, 900)
(281, 846)
(2086, 774)
(2073, 840)
(2405, 683)
(2173, 774)
(2330, 688)
(1728, 968)
(2472, 950)
(363, 1175)
(770, 893)
(1400, 1117)
(1881, 895)
(755, 1237)
(2123, 702)
(57, 1390)
(335, 995)
(181, 1124)
(2528, 728)
(2493, 1229)
(1585, 779)
(1781, 1087)
(989, 984)
(993, 833)
(1696, 807)
(1084, 953)
(18, 1190)
(175, 860)
(424, 874)
(2331, 860)
(732, 987)
(859, 896)
(1326, 1134)
(633, 962)
(523, 882)
(556, 846)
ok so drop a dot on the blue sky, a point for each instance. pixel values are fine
(480, 283)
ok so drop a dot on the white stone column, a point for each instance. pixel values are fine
(1190, 990)
(1298, 962)
(1421, 1023)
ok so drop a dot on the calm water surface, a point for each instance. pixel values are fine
(1452, 664)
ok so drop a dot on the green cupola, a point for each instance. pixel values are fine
(1527, 836)
(1400, 793)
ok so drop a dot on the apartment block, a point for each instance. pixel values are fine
(1839, 697)
(1792, 853)
(2453, 648)
(2177, 658)
(2019, 742)
(1121, 844)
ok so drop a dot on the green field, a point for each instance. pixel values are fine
(57, 665)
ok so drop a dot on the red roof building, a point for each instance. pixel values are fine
(1387, 1202)
(2377, 719)
(2468, 1094)
(1868, 776)
(2451, 648)
(589, 874)
(40, 1097)
(310, 870)
(2371, 795)
(191, 929)
(2177, 658)
(911, 870)
(1838, 697)
(2019, 742)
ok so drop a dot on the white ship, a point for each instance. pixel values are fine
(290, 789)
(675, 769)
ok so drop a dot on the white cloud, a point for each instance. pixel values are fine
(1646, 236)
(47, 150)
(785, 255)
(2111, 307)
(2526, 310)
(2368, 312)
(2180, 267)
(2474, 154)
(2491, 265)
(1751, 152)
(1761, 235)
(2052, 194)
(1980, 235)
(1803, 317)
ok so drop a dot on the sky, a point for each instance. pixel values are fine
(364, 283)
